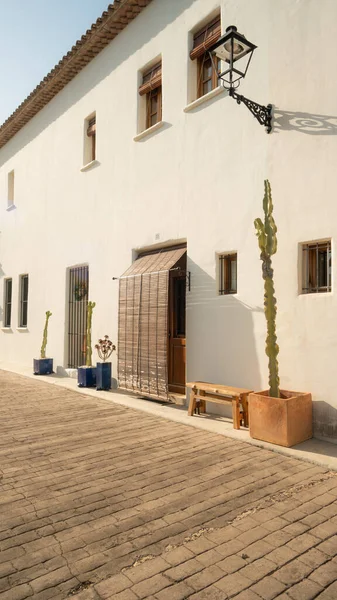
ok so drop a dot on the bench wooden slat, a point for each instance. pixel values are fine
(217, 399)
(217, 388)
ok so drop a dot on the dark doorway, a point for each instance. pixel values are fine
(177, 328)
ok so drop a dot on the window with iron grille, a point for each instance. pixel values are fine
(23, 316)
(227, 269)
(203, 39)
(151, 88)
(77, 315)
(316, 267)
(8, 303)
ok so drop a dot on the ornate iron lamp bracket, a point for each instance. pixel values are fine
(262, 113)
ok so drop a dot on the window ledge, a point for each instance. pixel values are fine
(23, 329)
(148, 131)
(206, 98)
(315, 294)
(89, 165)
(7, 329)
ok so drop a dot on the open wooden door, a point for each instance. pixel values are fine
(177, 329)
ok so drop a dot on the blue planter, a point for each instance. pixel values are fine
(43, 366)
(103, 376)
(86, 377)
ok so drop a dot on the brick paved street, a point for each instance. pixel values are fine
(99, 501)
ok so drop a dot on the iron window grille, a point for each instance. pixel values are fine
(316, 261)
(8, 302)
(23, 301)
(77, 315)
(227, 274)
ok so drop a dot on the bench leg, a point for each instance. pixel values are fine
(236, 413)
(244, 402)
(202, 402)
(192, 404)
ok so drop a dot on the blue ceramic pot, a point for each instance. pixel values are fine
(86, 377)
(103, 376)
(43, 366)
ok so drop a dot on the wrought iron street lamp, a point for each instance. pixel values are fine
(231, 48)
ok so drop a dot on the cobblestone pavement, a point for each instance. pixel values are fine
(99, 501)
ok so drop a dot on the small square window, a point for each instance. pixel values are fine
(151, 89)
(227, 274)
(89, 150)
(316, 267)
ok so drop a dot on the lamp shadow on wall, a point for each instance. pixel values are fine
(220, 335)
(308, 123)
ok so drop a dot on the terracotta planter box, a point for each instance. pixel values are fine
(284, 421)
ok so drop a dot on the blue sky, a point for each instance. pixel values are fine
(34, 35)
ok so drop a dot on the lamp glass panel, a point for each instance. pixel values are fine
(240, 49)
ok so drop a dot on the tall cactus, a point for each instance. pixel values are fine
(88, 353)
(45, 335)
(267, 239)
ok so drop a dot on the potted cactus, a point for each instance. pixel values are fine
(104, 348)
(43, 365)
(86, 374)
(277, 416)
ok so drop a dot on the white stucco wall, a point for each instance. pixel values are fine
(199, 178)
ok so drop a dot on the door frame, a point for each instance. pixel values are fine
(178, 272)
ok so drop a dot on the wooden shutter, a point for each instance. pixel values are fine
(143, 324)
(92, 127)
(206, 37)
(151, 80)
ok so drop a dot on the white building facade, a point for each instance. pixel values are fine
(138, 154)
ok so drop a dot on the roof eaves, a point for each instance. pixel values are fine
(117, 16)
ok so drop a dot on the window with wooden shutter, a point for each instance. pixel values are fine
(91, 133)
(151, 87)
(203, 39)
(10, 190)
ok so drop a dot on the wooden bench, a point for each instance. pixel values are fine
(202, 392)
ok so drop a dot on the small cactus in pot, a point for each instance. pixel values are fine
(278, 416)
(266, 234)
(86, 374)
(43, 365)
